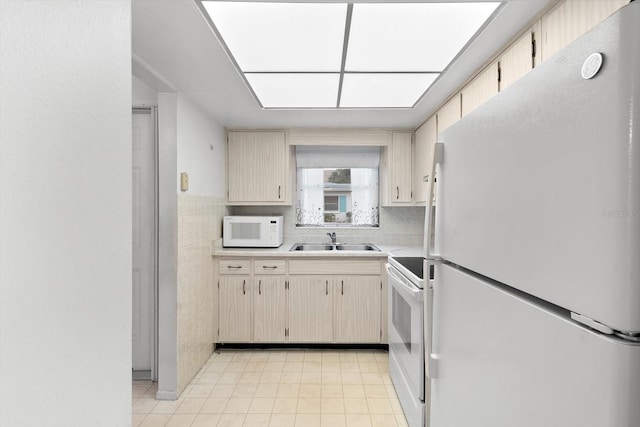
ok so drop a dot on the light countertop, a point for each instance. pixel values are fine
(283, 251)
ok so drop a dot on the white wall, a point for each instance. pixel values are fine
(200, 150)
(167, 248)
(200, 153)
(192, 142)
(65, 213)
(143, 94)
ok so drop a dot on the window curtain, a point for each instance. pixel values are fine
(329, 156)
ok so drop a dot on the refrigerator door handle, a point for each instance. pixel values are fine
(433, 366)
(437, 155)
(593, 324)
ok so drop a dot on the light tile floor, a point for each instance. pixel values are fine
(279, 388)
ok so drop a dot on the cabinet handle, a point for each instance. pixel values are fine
(234, 266)
(342, 287)
(278, 191)
(270, 267)
(243, 289)
(259, 287)
(397, 193)
(326, 287)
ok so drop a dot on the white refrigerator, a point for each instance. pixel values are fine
(534, 315)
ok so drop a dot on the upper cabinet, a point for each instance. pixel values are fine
(258, 168)
(520, 57)
(398, 169)
(566, 21)
(426, 137)
(572, 18)
(483, 87)
(450, 113)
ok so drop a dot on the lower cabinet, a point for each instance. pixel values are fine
(269, 301)
(357, 309)
(310, 309)
(234, 309)
(327, 301)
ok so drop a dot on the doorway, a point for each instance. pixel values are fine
(145, 244)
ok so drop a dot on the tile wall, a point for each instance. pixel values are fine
(199, 223)
(398, 226)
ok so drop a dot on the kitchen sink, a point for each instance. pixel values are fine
(311, 247)
(357, 247)
(331, 247)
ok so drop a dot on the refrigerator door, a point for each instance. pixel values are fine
(539, 188)
(506, 361)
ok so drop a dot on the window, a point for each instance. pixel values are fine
(336, 194)
(332, 203)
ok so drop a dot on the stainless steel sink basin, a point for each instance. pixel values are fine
(330, 247)
(357, 247)
(311, 247)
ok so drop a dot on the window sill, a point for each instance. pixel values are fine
(328, 226)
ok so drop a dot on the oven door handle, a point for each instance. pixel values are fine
(400, 284)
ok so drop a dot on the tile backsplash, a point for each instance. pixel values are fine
(398, 226)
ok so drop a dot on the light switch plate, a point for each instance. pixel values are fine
(184, 181)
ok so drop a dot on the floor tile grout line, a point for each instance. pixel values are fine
(327, 366)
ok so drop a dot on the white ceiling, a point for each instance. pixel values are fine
(174, 48)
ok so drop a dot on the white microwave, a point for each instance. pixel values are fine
(252, 231)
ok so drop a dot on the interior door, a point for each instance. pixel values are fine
(144, 241)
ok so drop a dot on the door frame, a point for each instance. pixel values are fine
(155, 299)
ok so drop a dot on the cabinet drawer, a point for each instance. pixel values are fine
(234, 266)
(332, 266)
(266, 266)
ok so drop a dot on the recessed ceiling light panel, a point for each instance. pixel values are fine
(295, 90)
(292, 54)
(281, 36)
(383, 90)
(411, 36)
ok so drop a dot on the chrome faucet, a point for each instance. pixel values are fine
(333, 237)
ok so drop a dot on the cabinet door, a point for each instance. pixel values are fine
(400, 167)
(310, 309)
(257, 166)
(483, 87)
(269, 309)
(357, 309)
(517, 60)
(572, 18)
(426, 136)
(234, 309)
(271, 166)
(241, 175)
(450, 113)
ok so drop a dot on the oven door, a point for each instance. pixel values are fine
(406, 330)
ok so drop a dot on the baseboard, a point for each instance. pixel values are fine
(166, 395)
(140, 375)
(300, 346)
